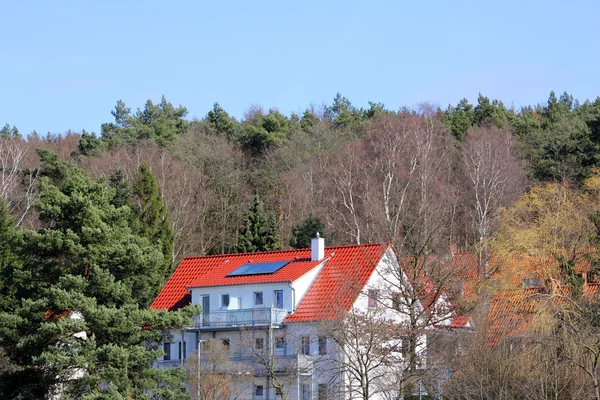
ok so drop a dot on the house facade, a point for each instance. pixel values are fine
(279, 317)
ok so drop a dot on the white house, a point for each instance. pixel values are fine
(276, 313)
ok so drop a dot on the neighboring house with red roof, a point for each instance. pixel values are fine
(275, 301)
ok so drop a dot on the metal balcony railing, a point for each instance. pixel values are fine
(249, 365)
(263, 316)
(161, 364)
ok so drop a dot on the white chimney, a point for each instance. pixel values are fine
(317, 247)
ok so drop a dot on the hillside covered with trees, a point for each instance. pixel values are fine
(96, 222)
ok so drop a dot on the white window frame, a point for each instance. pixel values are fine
(373, 298)
(305, 345)
(262, 390)
(262, 298)
(322, 345)
(275, 304)
(280, 342)
(228, 300)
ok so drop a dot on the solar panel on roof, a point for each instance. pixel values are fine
(262, 268)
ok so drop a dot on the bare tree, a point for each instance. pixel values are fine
(494, 178)
(17, 183)
(215, 376)
(371, 353)
(349, 193)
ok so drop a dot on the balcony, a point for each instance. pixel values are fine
(162, 364)
(249, 317)
(254, 366)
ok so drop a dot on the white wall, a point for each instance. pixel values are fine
(302, 284)
(246, 292)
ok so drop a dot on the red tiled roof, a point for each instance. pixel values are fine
(212, 271)
(298, 266)
(511, 314)
(339, 283)
(460, 321)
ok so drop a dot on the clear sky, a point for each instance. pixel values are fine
(63, 65)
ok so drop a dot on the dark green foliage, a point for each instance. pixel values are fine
(490, 113)
(121, 131)
(305, 231)
(152, 218)
(342, 114)
(308, 120)
(220, 122)
(262, 132)
(459, 119)
(90, 144)
(118, 181)
(8, 132)
(257, 233)
(561, 147)
(159, 122)
(375, 110)
(10, 265)
(86, 259)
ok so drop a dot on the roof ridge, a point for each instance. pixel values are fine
(245, 254)
(344, 246)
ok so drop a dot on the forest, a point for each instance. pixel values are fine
(96, 222)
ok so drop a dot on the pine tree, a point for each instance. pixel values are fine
(305, 231)
(9, 259)
(257, 234)
(151, 212)
(87, 277)
(122, 192)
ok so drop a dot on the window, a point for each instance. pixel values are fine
(167, 350)
(322, 391)
(306, 345)
(258, 298)
(305, 391)
(373, 295)
(396, 301)
(279, 299)
(182, 350)
(280, 344)
(225, 342)
(322, 345)
(259, 343)
(258, 390)
(224, 300)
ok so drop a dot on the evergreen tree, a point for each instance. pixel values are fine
(459, 119)
(220, 121)
(561, 148)
(10, 264)
(257, 234)
(308, 120)
(77, 329)
(118, 182)
(90, 145)
(272, 240)
(305, 231)
(342, 114)
(263, 132)
(151, 216)
(159, 122)
(9, 132)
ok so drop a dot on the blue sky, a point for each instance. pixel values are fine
(63, 65)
